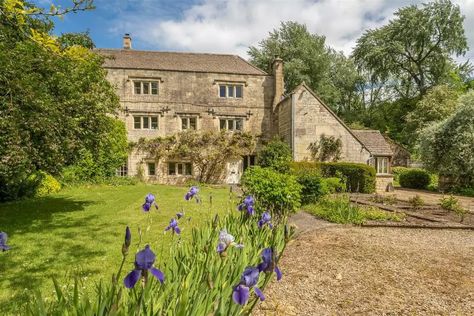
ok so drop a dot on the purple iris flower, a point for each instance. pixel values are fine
(173, 226)
(191, 193)
(266, 217)
(144, 261)
(127, 242)
(248, 280)
(179, 215)
(149, 201)
(226, 240)
(269, 263)
(247, 204)
(3, 241)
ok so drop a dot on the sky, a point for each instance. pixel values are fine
(231, 26)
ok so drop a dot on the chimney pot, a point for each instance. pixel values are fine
(127, 41)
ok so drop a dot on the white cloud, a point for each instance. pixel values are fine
(231, 26)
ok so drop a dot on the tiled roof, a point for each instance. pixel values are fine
(192, 62)
(374, 141)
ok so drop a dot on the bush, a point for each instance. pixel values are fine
(275, 155)
(43, 184)
(313, 186)
(277, 191)
(397, 171)
(335, 185)
(416, 202)
(356, 177)
(415, 179)
(452, 204)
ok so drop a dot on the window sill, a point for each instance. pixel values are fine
(384, 175)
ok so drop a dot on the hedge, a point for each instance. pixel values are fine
(358, 177)
(414, 179)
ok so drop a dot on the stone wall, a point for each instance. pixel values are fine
(383, 183)
(312, 119)
(284, 122)
(191, 94)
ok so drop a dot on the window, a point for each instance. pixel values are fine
(180, 168)
(230, 91)
(248, 161)
(122, 171)
(382, 165)
(145, 122)
(188, 123)
(145, 87)
(233, 124)
(151, 169)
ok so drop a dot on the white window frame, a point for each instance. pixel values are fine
(382, 164)
(182, 166)
(188, 122)
(122, 171)
(147, 118)
(147, 83)
(232, 87)
(234, 124)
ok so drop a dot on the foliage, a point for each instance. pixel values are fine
(447, 148)
(384, 199)
(416, 202)
(196, 282)
(358, 177)
(281, 193)
(276, 155)
(313, 186)
(327, 148)
(208, 151)
(307, 59)
(80, 39)
(452, 204)
(413, 51)
(396, 171)
(335, 185)
(54, 101)
(414, 178)
(341, 210)
(43, 184)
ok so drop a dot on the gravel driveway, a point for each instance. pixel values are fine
(347, 270)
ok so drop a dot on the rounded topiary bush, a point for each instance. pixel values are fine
(313, 186)
(414, 179)
(276, 155)
(274, 190)
(43, 184)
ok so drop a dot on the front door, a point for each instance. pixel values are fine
(233, 172)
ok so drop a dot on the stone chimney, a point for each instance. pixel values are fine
(277, 70)
(127, 41)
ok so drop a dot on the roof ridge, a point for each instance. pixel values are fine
(167, 52)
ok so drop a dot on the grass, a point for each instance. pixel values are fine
(80, 230)
(341, 210)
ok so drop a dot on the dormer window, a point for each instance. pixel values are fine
(231, 91)
(145, 87)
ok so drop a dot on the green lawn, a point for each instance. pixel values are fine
(80, 232)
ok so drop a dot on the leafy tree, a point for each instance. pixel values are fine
(414, 51)
(436, 105)
(306, 57)
(447, 148)
(276, 155)
(54, 101)
(80, 39)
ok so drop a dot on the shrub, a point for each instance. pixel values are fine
(415, 179)
(396, 173)
(358, 177)
(275, 155)
(341, 210)
(277, 191)
(335, 185)
(384, 199)
(313, 186)
(452, 204)
(43, 184)
(416, 202)
(327, 148)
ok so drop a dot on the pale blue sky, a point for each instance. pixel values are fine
(231, 26)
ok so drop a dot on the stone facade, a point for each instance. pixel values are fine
(188, 85)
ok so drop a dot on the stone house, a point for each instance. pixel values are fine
(163, 93)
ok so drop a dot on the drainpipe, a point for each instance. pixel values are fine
(293, 111)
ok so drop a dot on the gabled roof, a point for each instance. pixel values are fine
(305, 86)
(174, 61)
(374, 141)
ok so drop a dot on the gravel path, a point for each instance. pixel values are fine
(431, 197)
(347, 270)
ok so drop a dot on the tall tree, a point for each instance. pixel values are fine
(307, 58)
(414, 50)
